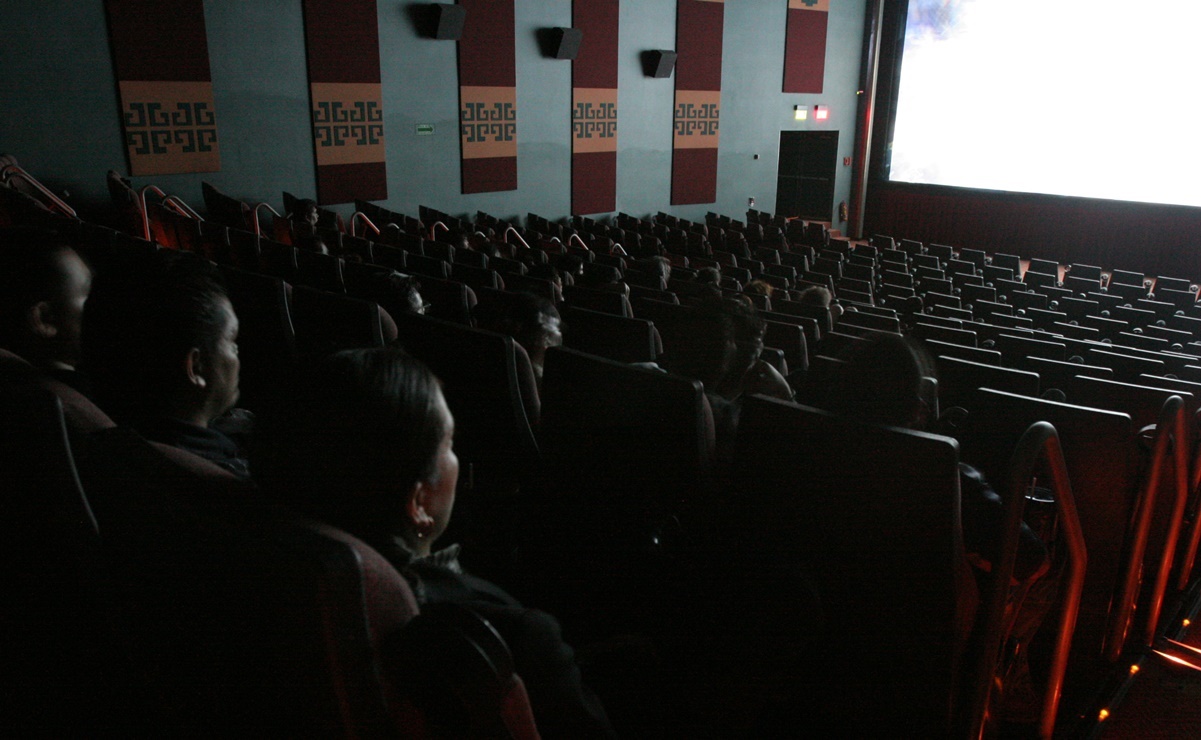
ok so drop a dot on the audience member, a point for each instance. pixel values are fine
(658, 266)
(304, 217)
(532, 321)
(160, 344)
(367, 446)
(44, 285)
(396, 293)
(708, 276)
(759, 287)
(571, 267)
(548, 272)
(816, 295)
(883, 383)
(748, 373)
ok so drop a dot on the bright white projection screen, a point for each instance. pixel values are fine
(1091, 98)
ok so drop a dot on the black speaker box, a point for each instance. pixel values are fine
(658, 63)
(565, 42)
(446, 21)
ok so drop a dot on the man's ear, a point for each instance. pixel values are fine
(195, 368)
(40, 320)
(416, 507)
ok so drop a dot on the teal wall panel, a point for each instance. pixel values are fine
(58, 105)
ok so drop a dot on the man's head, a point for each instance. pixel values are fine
(815, 295)
(702, 343)
(160, 339)
(882, 382)
(396, 292)
(532, 321)
(749, 330)
(44, 285)
(306, 212)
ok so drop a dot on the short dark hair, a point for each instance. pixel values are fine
(703, 344)
(545, 272)
(302, 206)
(396, 292)
(31, 271)
(360, 429)
(815, 295)
(881, 381)
(140, 321)
(518, 315)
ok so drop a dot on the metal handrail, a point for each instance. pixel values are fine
(435, 225)
(1190, 553)
(578, 239)
(1040, 441)
(142, 205)
(1180, 447)
(254, 217)
(524, 243)
(178, 205)
(15, 170)
(363, 216)
(1169, 417)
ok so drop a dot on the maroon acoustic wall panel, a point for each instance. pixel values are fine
(699, 26)
(342, 41)
(161, 60)
(488, 96)
(805, 46)
(594, 108)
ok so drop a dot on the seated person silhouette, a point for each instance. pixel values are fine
(532, 321)
(44, 285)
(882, 382)
(160, 344)
(367, 446)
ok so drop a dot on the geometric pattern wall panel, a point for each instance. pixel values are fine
(488, 97)
(805, 46)
(594, 108)
(161, 60)
(696, 125)
(346, 99)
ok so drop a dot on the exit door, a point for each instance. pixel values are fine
(805, 183)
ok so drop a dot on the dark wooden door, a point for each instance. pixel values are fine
(805, 183)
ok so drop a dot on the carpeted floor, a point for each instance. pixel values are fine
(1164, 701)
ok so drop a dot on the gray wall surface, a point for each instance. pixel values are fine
(59, 109)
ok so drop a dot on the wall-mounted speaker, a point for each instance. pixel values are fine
(565, 42)
(658, 63)
(445, 21)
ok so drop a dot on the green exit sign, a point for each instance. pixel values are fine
(425, 129)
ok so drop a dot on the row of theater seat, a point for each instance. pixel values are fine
(889, 599)
(1103, 583)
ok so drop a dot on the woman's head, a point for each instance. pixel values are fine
(367, 442)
